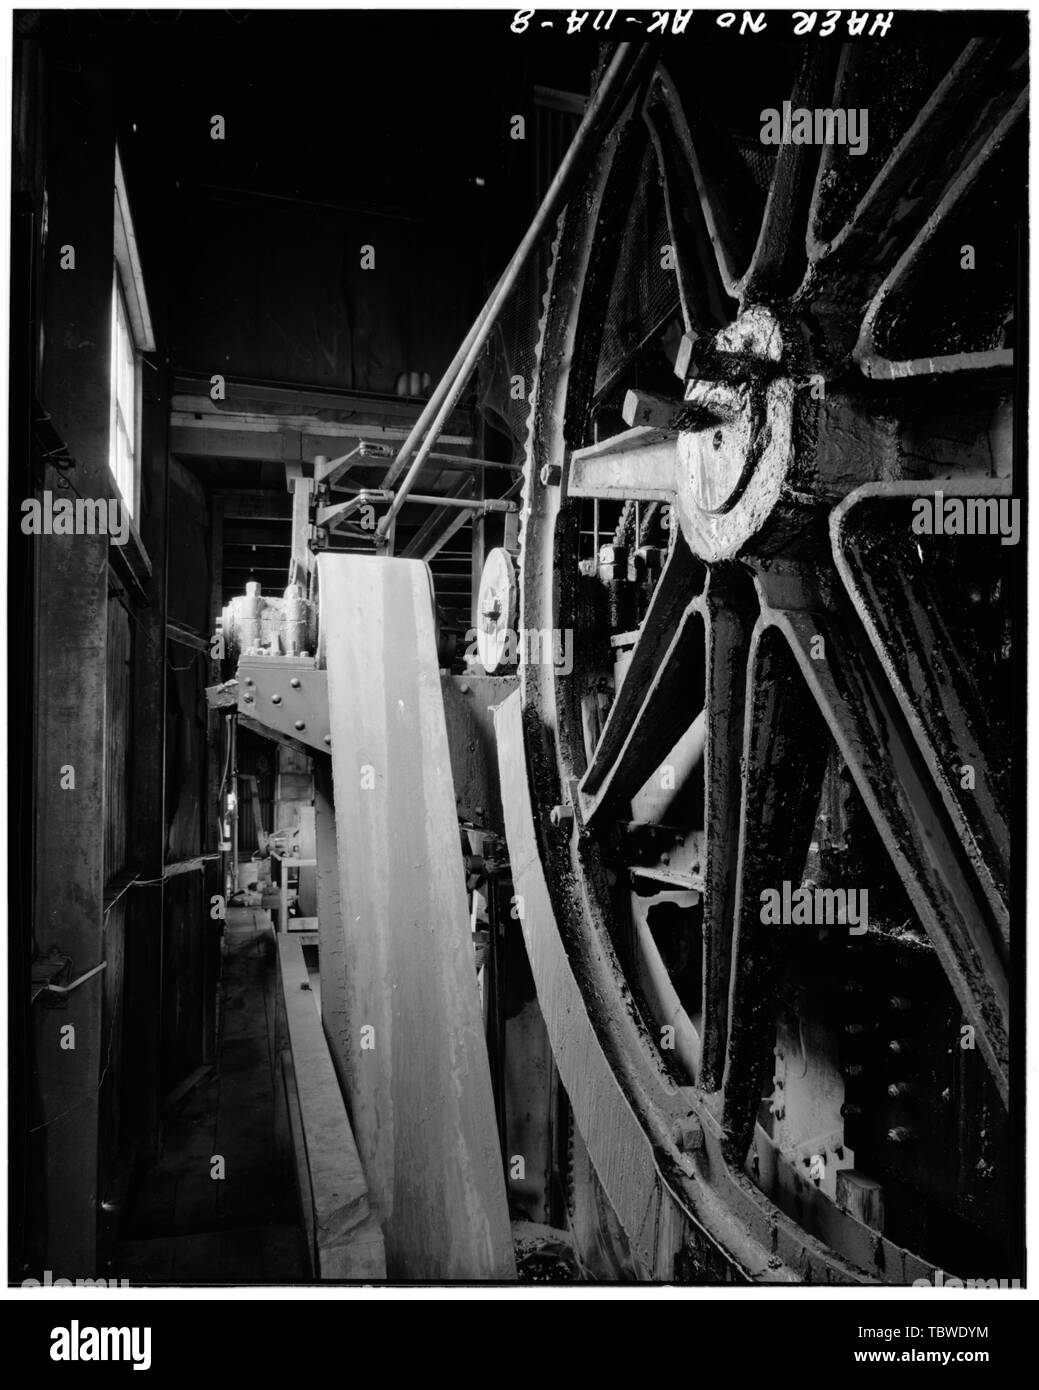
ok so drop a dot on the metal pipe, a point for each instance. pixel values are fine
(335, 515)
(623, 68)
(331, 471)
(473, 504)
(339, 511)
(75, 984)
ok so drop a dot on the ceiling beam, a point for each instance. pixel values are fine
(256, 504)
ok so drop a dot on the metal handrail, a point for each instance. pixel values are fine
(620, 77)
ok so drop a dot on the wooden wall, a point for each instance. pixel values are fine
(90, 686)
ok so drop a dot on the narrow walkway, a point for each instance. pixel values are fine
(185, 1225)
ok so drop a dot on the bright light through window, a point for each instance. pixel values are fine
(122, 457)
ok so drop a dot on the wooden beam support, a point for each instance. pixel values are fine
(302, 561)
(343, 1236)
(184, 637)
(272, 399)
(416, 1059)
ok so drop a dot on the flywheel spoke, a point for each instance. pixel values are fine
(729, 201)
(899, 793)
(706, 305)
(730, 609)
(872, 362)
(945, 148)
(784, 755)
(779, 256)
(661, 693)
(948, 701)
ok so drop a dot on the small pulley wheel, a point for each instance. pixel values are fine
(497, 641)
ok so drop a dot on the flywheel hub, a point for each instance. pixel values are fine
(735, 454)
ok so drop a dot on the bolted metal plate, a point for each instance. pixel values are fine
(288, 696)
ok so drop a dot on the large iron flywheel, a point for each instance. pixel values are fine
(772, 786)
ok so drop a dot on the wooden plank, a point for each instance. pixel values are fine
(420, 1088)
(193, 394)
(185, 637)
(287, 1102)
(200, 414)
(332, 942)
(345, 1238)
(201, 442)
(307, 848)
(187, 866)
(302, 561)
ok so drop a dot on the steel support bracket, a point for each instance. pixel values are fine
(288, 695)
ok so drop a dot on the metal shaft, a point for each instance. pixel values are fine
(617, 80)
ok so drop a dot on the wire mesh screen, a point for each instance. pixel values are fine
(508, 365)
(645, 289)
(507, 368)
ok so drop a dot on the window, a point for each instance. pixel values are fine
(131, 336)
(122, 451)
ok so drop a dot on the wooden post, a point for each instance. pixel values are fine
(342, 1235)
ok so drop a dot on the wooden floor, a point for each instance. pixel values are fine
(183, 1225)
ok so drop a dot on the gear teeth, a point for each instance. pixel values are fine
(530, 471)
(570, 1189)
